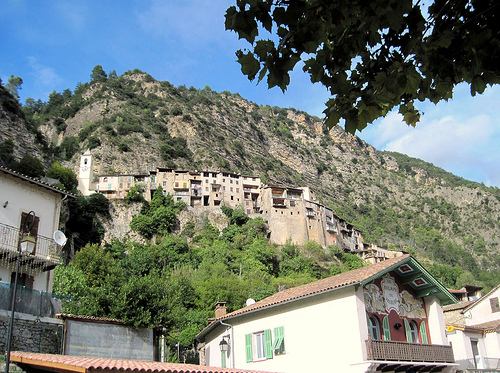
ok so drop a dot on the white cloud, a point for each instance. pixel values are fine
(188, 22)
(44, 75)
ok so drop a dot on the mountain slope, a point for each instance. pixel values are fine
(134, 123)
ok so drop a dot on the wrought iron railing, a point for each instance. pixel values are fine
(404, 351)
(45, 249)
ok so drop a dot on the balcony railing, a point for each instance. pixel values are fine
(403, 351)
(480, 364)
(32, 302)
(47, 252)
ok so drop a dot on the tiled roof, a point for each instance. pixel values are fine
(489, 325)
(484, 297)
(35, 181)
(344, 279)
(321, 286)
(458, 306)
(64, 363)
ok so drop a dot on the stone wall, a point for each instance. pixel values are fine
(30, 334)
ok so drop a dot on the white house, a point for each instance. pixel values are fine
(386, 317)
(473, 328)
(26, 200)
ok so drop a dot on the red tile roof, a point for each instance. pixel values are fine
(64, 363)
(321, 286)
(344, 279)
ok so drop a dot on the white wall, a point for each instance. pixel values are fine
(25, 197)
(481, 312)
(435, 318)
(325, 330)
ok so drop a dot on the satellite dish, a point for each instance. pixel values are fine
(250, 301)
(60, 238)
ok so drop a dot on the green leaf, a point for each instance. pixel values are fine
(477, 85)
(249, 64)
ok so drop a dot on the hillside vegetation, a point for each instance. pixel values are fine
(133, 123)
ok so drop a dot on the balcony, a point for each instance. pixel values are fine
(47, 253)
(411, 352)
(32, 302)
(278, 202)
(480, 364)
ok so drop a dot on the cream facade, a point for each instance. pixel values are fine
(22, 195)
(359, 321)
(473, 328)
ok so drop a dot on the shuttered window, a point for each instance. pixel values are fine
(407, 330)
(279, 341)
(386, 329)
(262, 345)
(268, 343)
(248, 347)
(423, 333)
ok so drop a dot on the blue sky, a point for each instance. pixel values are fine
(53, 45)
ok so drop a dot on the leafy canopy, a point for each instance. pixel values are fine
(372, 55)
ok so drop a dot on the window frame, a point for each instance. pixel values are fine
(374, 327)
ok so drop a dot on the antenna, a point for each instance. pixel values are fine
(60, 238)
(250, 301)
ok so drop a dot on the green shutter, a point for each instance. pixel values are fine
(386, 328)
(223, 359)
(423, 333)
(268, 343)
(407, 330)
(279, 336)
(248, 347)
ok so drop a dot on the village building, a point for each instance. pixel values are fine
(386, 317)
(473, 328)
(293, 214)
(26, 200)
(29, 212)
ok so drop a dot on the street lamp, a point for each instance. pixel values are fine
(27, 245)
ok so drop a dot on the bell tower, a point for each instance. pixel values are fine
(86, 174)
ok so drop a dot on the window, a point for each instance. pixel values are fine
(373, 327)
(423, 333)
(411, 331)
(279, 341)
(262, 345)
(495, 307)
(386, 329)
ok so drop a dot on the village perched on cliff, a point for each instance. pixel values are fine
(292, 213)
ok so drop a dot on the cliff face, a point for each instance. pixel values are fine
(134, 124)
(13, 126)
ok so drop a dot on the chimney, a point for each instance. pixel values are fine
(220, 309)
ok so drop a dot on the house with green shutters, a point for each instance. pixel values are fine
(386, 317)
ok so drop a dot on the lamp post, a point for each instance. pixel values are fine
(27, 245)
